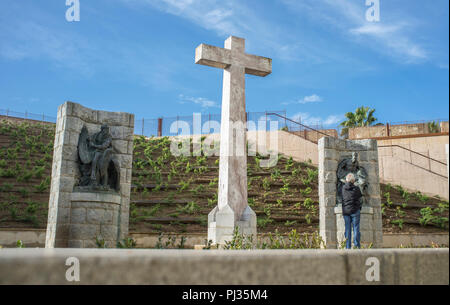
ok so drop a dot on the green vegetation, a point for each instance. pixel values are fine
(421, 197)
(387, 195)
(398, 222)
(429, 215)
(170, 242)
(292, 240)
(433, 127)
(174, 194)
(43, 186)
(127, 243)
(190, 208)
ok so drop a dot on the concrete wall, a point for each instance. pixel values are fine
(215, 267)
(299, 149)
(36, 238)
(29, 237)
(367, 132)
(433, 147)
(394, 240)
(394, 130)
(412, 171)
(408, 129)
(314, 135)
(399, 172)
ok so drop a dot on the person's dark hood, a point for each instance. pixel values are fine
(349, 186)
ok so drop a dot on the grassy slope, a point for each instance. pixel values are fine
(175, 194)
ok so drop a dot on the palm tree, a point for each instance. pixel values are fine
(433, 127)
(363, 116)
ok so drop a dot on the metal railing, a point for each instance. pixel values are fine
(159, 126)
(306, 132)
(428, 159)
(162, 126)
(392, 129)
(28, 115)
(417, 122)
(318, 134)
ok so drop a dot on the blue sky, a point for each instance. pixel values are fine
(138, 56)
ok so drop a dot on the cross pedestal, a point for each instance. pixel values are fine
(232, 209)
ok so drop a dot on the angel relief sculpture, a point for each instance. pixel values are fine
(351, 165)
(98, 165)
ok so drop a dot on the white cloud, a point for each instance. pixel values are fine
(234, 17)
(375, 29)
(311, 99)
(212, 15)
(307, 119)
(204, 102)
(333, 119)
(394, 36)
(314, 98)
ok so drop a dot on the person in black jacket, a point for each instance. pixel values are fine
(351, 209)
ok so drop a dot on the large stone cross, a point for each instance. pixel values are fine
(232, 209)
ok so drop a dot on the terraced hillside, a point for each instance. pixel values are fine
(175, 194)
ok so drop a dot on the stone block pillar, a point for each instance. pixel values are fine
(448, 165)
(332, 227)
(76, 218)
(94, 216)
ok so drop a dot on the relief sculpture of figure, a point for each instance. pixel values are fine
(351, 165)
(98, 167)
(101, 142)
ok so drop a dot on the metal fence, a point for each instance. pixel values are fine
(201, 123)
(437, 121)
(162, 126)
(209, 123)
(28, 115)
(310, 133)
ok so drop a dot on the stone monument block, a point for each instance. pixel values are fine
(336, 158)
(91, 177)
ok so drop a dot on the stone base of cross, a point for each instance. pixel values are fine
(222, 223)
(232, 211)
